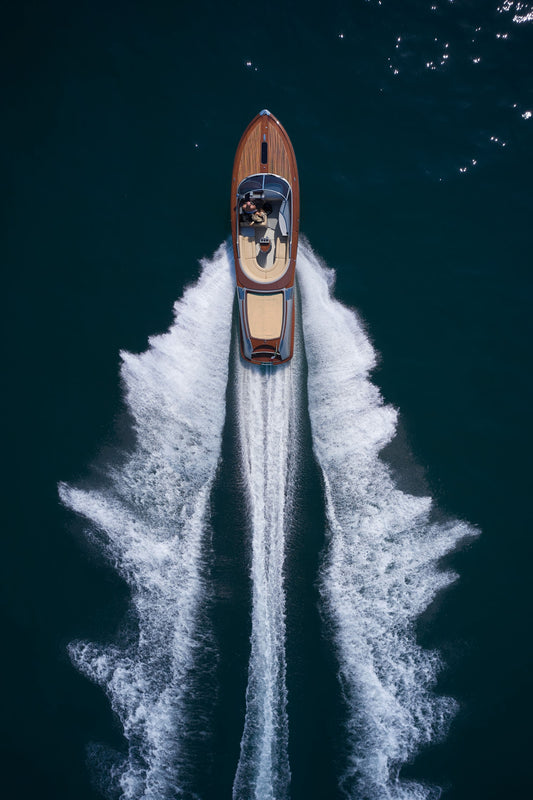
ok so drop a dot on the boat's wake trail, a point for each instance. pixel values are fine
(380, 569)
(151, 516)
(267, 406)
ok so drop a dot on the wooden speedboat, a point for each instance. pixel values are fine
(265, 216)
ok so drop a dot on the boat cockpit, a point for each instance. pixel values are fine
(264, 226)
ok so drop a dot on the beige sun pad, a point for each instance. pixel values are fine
(260, 267)
(265, 314)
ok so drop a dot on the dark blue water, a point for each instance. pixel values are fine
(137, 629)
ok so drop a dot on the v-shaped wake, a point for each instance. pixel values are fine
(379, 572)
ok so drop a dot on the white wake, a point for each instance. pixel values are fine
(267, 408)
(380, 570)
(152, 517)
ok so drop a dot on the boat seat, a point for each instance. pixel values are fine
(247, 230)
(248, 252)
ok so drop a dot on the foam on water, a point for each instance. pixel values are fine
(380, 569)
(151, 516)
(267, 408)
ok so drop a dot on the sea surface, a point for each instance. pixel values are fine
(226, 582)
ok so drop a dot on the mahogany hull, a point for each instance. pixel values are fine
(265, 282)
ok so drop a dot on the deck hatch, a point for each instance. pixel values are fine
(265, 314)
(264, 152)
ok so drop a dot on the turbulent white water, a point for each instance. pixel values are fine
(152, 517)
(267, 408)
(380, 569)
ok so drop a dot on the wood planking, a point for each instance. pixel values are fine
(278, 161)
(249, 157)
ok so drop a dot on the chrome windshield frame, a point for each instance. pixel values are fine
(262, 176)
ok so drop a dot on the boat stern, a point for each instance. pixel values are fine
(266, 321)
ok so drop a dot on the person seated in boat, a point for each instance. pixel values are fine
(259, 218)
(252, 215)
(248, 208)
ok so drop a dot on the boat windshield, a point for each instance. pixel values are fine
(265, 186)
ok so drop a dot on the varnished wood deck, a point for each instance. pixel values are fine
(248, 160)
(280, 161)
